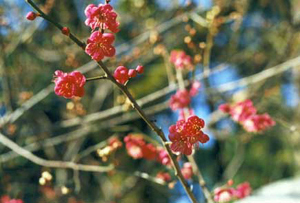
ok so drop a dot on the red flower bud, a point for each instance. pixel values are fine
(140, 69)
(31, 15)
(132, 73)
(65, 31)
(121, 74)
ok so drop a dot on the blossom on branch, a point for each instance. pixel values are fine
(227, 194)
(102, 17)
(185, 134)
(31, 15)
(180, 100)
(163, 176)
(69, 85)
(100, 45)
(137, 148)
(7, 199)
(163, 157)
(246, 114)
(181, 60)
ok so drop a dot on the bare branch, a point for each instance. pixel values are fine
(52, 164)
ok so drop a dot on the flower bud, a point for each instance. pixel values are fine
(132, 73)
(140, 69)
(65, 31)
(31, 16)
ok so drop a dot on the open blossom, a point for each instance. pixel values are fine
(163, 176)
(100, 45)
(243, 190)
(7, 199)
(246, 114)
(114, 142)
(242, 110)
(226, 193)
(163, 157)
(149, 151)
(258, 123)
(195, 88)
(185, 134)
(180, 100)
(223, 195)
(134, 144)
(181, 60)
(101, 16)
(137, 148)
(69, 85)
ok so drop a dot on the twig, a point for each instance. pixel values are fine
(236, 162)
(52, 164)
(201, 180)
(124, 89)
(43, 15)
(101, 77)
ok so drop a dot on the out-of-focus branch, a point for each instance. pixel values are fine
(47, 163)
(201, 180)
(263, 75)
(236, 162)
(84, 131)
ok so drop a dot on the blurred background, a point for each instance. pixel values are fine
(241, 49)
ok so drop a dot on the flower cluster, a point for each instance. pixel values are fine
(182, 98)
(137, 148)
(246, 114)
(187, 133)
(7, 199)
(122, 74)
(99, 44)
(69, 85)
(163, 176)
(113, 144)
(181, 60)
(227, 193)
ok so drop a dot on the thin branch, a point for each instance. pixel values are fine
(43, 15)
(52, 164)
(201, 180)
(101, 77)
(124, 89)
